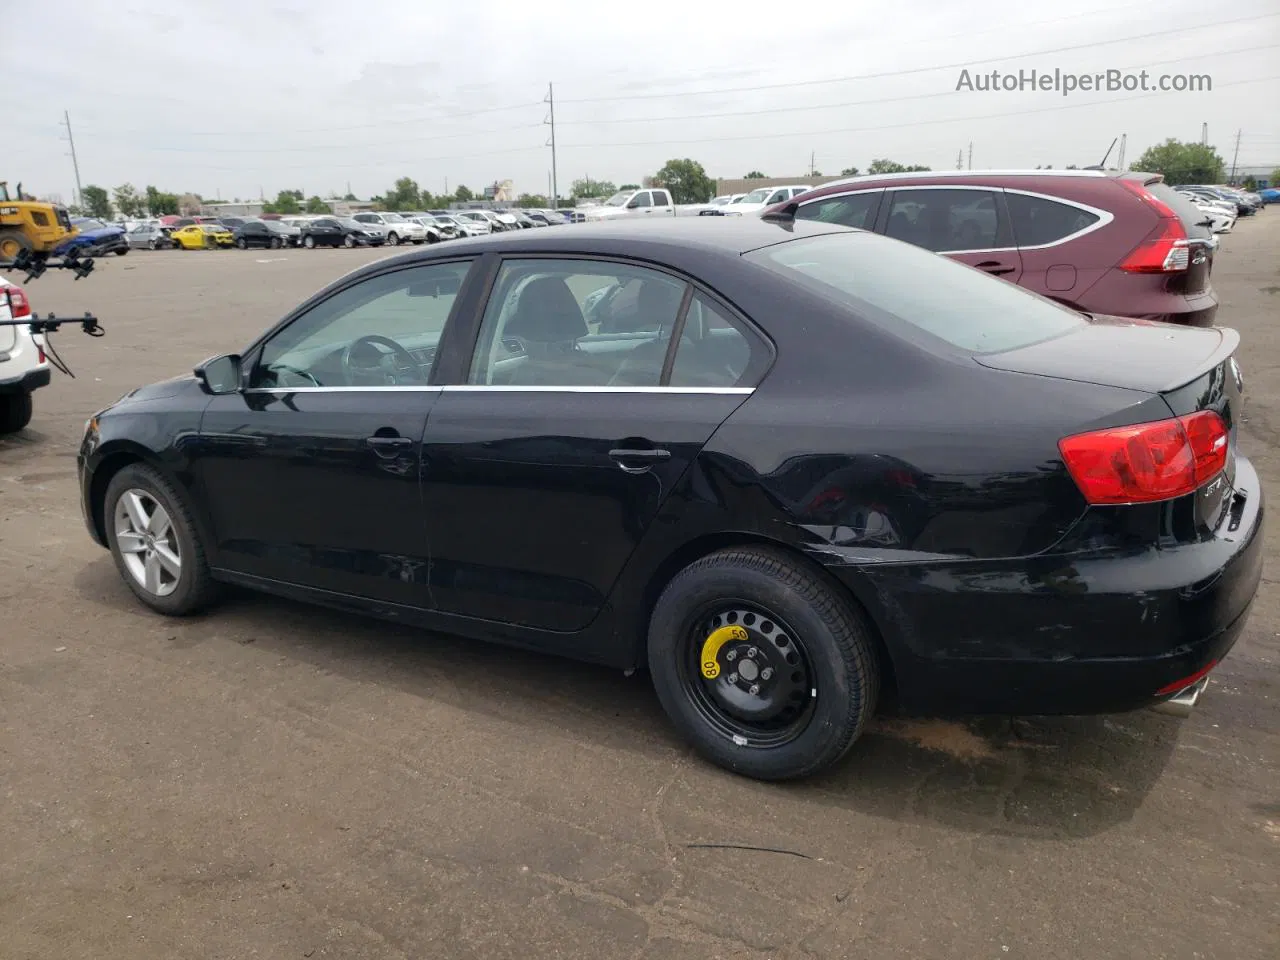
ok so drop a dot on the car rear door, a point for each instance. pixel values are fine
(553, 445)
(310, 472)
(1046, 230)
(966, 223)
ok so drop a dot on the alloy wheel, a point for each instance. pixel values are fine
(147, 542)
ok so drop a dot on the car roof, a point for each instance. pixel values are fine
(963, 174)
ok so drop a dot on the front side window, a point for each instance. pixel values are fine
(855, 210)
(576, 323)
(945, 220)
(382, 331)
(642, 200)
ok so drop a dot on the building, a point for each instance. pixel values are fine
(345, 208)
(250, 208)
(502, 191)
(730, 187)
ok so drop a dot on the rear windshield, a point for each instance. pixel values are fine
(1192, 219)
(894, 283)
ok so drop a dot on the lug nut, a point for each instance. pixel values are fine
(731, 655)
(755, 688)
(732, 678)
(766, 673)
(752, 653)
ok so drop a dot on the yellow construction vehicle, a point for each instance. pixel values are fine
(33, 227)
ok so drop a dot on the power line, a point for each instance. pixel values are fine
(873, 102)
(945, 66)
(342, 146)
(892, 126)
(380, 161)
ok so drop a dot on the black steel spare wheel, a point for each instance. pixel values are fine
(766, 667)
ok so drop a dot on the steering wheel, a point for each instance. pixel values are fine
(285, 368)
(392, 363)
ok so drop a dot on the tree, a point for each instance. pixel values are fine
(630, 186)
(404, 196)
(1182, 162)
(586, 187)
(316, 205)
(95, 200)
(815, 173)
(892, 166)
(1250, 183)
(849, 172)
(754, 175)
(189, 203)
(534, 200)
(1275, 178)
(462, 194)
(348, 196)
(286, 201)
(127, 200)
(161, 204)
(687, 181)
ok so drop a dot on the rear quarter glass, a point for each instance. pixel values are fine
(911, 291)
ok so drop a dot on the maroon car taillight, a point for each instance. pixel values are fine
(1147, 462)
(1166, 248)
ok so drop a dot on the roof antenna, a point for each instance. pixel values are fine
(1103, 164)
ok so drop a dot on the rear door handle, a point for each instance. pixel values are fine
(387, 443)
(995, 267)
(634, 460)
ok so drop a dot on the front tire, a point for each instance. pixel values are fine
(348, 241)
(309, 242)
(122, 251)
(155, 542)
(242, 243)
(15, 412)
(393, 239)
(761, 664)
(275, 243)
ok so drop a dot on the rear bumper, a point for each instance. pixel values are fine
(26, 382)
(1068, 634)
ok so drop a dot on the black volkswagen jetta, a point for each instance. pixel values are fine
(785, 465)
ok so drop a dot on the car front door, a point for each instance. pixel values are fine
(969, 224)
(553, 445)
(641, 203)
(311, 470)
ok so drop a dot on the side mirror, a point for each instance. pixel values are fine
(635, 202)
(219, 375)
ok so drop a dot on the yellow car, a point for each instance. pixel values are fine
(201, 236)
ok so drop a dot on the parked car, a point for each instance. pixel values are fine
(232, 222)
(23, 365)
(463, 226)
(438, 228)
(646, 203)
(480, 220)
(269, 234)
(755, 202)
(824, 463)
(340, 232)
(149, 236)
(95, 238)
(1122, 244)
(288, 233)
(1218, 216)
(202, 236)
(1244, 206)
(396, 228)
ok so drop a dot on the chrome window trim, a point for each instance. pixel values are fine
(505, 388)
(1104, 217)
(928, 174)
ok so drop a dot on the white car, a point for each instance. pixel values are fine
(480, 220)
(1219, 214)
(465, 226)
(395, 228)
(23, 365)
(761, 199)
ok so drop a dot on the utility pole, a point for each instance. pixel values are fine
(812, 161)
(1204, 134)
(970, 154)
(960, 159)
(1124, 139)
(75, 164)
(1234, 157)
(551, 119)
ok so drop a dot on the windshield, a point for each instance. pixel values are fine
(213, 228)
(620, 199)
(354, 224)
(393, 217)
(757, 196)
(893, 283)
(87, 223)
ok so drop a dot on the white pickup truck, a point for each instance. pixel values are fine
(645, 202)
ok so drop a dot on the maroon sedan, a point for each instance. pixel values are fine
(1103, 242)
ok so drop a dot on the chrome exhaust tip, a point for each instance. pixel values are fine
(1182, 703)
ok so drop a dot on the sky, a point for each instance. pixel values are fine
(237, 98)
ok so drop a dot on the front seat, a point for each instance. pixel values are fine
(550, 323)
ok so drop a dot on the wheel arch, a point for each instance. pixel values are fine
(124, 453)
(699, 547)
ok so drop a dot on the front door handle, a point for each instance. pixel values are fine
(638, 460)
(995, 267)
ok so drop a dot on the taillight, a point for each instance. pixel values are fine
(1166, 248)
(1147, 462)
(19, 305)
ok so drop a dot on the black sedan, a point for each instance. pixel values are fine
(804, 465)
(269, 234)
(339, 232)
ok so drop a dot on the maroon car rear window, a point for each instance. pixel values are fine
(895, 283)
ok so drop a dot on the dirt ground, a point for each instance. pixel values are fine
(275, 781)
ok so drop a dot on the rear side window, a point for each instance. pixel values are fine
(1038, 221)
(906, 288)
(856, 210)
(946, 220)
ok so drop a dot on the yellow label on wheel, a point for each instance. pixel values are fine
(711, 648)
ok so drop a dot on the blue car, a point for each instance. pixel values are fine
(95, 239)
(1270, 195)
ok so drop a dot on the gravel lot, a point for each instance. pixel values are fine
(275, 781)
